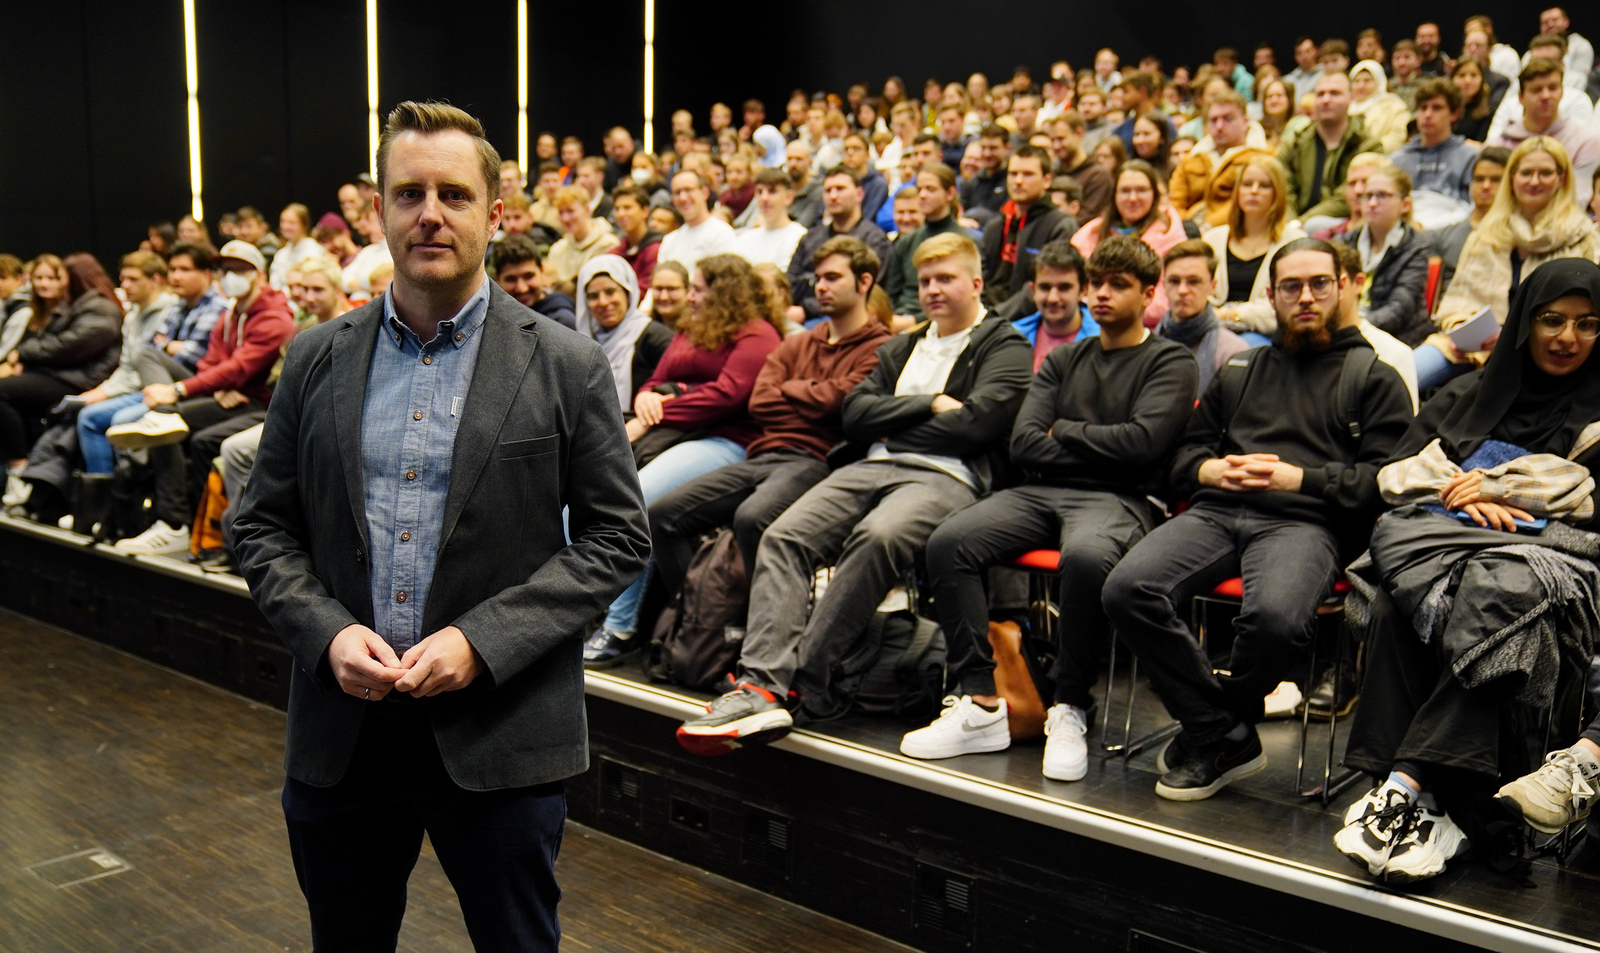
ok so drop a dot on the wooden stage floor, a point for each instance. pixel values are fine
(105, 753)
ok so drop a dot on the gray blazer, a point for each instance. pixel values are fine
(541, 430)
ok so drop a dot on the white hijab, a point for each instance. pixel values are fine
(617, 342)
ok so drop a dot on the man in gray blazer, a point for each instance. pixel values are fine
(403, 533)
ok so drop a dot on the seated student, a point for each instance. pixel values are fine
(774, 235)
(586, 237)
(1394, 257)
(1487, 172)
(518, 269)
(1027, 223)
(1136, 209)
(701, 234)
(987, 189)
(1101, 418)
(608, 313)
(874, 187)
(1384, 114)
(1512, 442)
(1203, 183)
(904, 214)
(841, 196)
(669, 294)
(1390, 350)
(934, 416)
(638, 244)
(1066, 194)
(245, 344)
(796, 403)
(1275, 477)
(1438, 160)
(1257, 223)
(938, 199)
(1058, 285)
(1318, 160)
(692, 415)
(1534, 219)
(1540, 95)
(1187, 271)
(1067, 146)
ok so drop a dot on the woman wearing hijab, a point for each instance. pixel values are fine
(1477, 591)
(608, 313)
(1384, 113)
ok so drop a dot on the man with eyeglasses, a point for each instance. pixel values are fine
(1280, 464)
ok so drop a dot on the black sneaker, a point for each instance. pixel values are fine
(606, 649)
(1326, 698)
(1174, 753)
(1209, 768)
(748, 715)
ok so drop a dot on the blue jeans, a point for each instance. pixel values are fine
(672, 469)
(1434, 369)
(93, 422)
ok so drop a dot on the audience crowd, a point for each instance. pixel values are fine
(1175, 326)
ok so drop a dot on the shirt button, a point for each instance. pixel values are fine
(405, 537)
(411, 474)
(416, 415)
(459, 337)
(400, 596)
(427, 359)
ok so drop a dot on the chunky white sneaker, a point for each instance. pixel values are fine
(1431, 841)
(17, 490)
(964, 727)
(1374, 825)
(158, 540)
(1557, 794)
(151, 430)
(1066, 753)
(1283, 701)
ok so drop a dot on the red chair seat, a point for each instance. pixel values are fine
(1039, 560)
(1234, 588)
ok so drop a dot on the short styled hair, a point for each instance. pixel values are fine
(571, 195)
(1124, 254)
(949, 245)
(842, 169)
(1059, 255)
(429, 118)
(633, 191)
(1304, 244)
(147, 262)
(201, 254)
(1193, 248)
(513, 250)
(774, 178)
(1538, 67)
(862, 259)
(1435, 87)
(1549, 39)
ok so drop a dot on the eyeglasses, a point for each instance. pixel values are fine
(1290, 289)
(1552, 323)
(1544, 175)
(1378, 198)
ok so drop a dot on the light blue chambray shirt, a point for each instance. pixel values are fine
(416, 393)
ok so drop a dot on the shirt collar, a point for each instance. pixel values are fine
(458, 330)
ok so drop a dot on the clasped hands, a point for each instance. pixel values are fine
(647, 409)
(1464, 492)
(1251, 472)
(367, 667)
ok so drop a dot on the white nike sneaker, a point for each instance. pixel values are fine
(1432, 841)
(158, 540)
(1066, 753)
(151, 430)
(964, 727)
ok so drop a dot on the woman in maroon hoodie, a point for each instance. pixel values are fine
(697, 400)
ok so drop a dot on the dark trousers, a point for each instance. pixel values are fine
(1288, 568)
(1413, 708)
(181, 478)
(355, 843)
(23, 398)
(748, 496)
(1092, 529)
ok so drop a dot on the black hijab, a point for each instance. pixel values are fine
(1513, 400)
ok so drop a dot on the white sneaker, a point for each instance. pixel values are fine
(1283, 701)
(158, 540)
(1374, 825)
(1066, 753)
(964, 727)
(17, 490)
(1559, 793)
(1431, 841)
(64, 522)
(151, 430)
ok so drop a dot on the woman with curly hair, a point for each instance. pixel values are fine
(691, 416)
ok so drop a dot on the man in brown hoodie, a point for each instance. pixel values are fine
(796, 402)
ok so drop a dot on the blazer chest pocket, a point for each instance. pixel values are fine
(531, 447)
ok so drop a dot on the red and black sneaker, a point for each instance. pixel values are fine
(748, 715)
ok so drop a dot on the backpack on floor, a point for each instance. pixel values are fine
(697, 638)
(132, 485)
(895, 667)
(207, 537)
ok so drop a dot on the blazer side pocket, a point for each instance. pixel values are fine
(531, 447)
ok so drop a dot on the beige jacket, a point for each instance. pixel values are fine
(1255, 310)
(1541, 483)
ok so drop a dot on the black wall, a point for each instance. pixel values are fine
(93, 138)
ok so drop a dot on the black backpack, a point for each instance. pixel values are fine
(697, 638)
(1235, 377)
(895, 667)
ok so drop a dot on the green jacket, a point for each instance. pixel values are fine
(1299, 160)
(900, 278)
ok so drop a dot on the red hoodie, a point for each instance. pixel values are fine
(242, 351)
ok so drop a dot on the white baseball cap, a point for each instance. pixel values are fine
(245, 252)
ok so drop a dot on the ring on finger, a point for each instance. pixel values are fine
(366, 693)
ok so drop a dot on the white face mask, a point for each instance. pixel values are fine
(641, 176)
(234, 284)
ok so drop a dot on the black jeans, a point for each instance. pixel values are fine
(1093, 530)
(181, 478)
(1288, 566)
(355, 843)
(748, 496)
(23, 398)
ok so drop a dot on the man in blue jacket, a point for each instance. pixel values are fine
(1057, 288)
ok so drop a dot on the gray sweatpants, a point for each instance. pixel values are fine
(869, 520)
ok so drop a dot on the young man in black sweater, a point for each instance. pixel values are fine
(932, 418)
(1278, 475)
(1101, 419)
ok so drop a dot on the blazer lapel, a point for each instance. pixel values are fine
(352, 362)
(508, 345)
